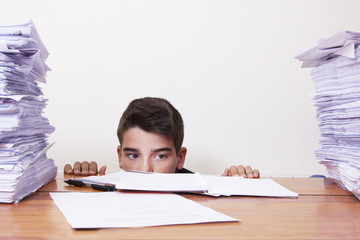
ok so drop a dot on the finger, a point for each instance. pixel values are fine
(249, 172)
(241, 171)
(68, 169)
(234, 171)
(102, 170)
(77, 168)
(226, 172)
(85, 168)
(256, 173)
(93, 169)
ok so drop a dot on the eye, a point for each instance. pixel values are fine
(132, 155)
(161, 156)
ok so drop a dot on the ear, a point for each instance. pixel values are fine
(181, 158)
(119, 156)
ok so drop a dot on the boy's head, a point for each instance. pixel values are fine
(151, 133)
(155, 115)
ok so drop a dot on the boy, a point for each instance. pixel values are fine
(151, 132)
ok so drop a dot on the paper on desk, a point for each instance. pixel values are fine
(337, 98)
(24, 166)
(144, 181)
(196, 183)
(126, 210)
(230, 186)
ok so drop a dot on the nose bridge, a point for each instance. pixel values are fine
(146, 165)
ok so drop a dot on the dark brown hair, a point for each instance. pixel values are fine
(153, 115)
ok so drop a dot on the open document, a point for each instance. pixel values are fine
(126, 210)
(196, 183)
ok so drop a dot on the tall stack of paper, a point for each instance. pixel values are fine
(336, 79)
(24, 166)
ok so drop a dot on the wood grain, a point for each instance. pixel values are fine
(322, 211)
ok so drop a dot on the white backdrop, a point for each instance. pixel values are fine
(227, 66)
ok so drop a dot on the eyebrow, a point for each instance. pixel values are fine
(164, 149)
(128, 149)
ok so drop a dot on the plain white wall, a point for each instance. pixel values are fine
(227, 66)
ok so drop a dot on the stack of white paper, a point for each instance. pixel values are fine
(24, 166)
(336, 79)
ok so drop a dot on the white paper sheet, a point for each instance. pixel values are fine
(229, 186)
(144, 181)
(126, 210)
(211, 185)
(341, 43)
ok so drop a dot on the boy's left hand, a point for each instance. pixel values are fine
(241, 171)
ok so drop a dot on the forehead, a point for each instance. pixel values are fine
(137, 138)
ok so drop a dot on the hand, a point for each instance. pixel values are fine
(241, 171)
(85, 169)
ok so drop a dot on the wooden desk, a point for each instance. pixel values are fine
(322, 211)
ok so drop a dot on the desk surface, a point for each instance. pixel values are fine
(322, 211)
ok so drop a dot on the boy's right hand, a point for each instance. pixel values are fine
(85, 169)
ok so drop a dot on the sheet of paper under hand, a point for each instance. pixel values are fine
(196, 183)
(230, 186)
(126, 210)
